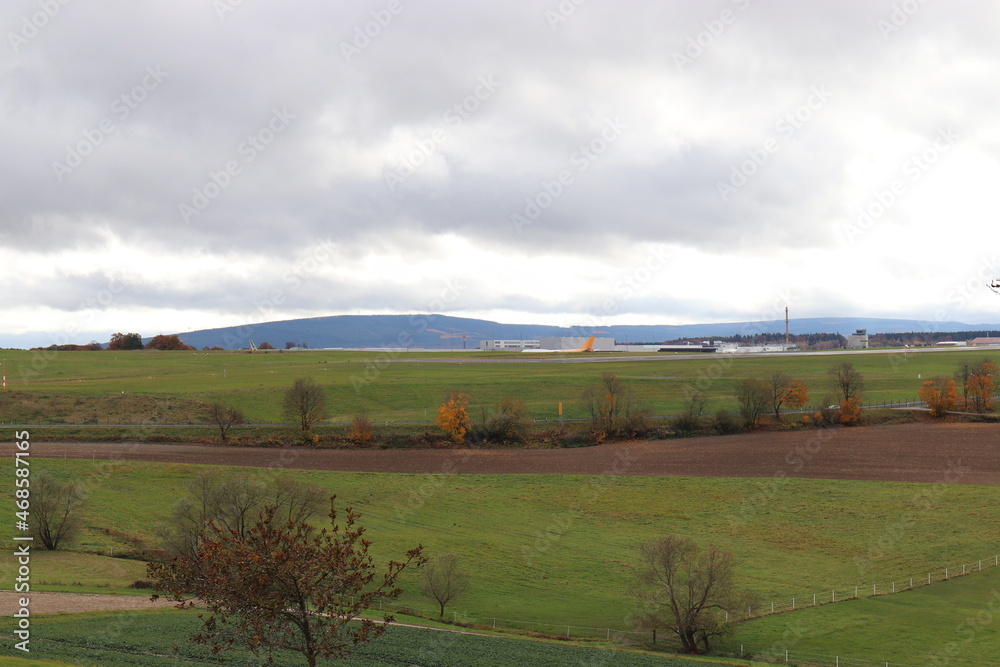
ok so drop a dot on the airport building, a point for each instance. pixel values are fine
(499, 345)
(572, 343)
(858, 340)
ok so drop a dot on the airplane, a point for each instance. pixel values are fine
(588, 346)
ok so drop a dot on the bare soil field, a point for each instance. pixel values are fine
(919, 452)
(49, 603)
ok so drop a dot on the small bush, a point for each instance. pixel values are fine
(141, 584)
(361, 432)
(725, 423)
(509, 424)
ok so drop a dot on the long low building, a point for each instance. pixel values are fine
(498, 345)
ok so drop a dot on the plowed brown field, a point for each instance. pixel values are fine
(921, 452)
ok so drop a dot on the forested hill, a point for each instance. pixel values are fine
(447, 332)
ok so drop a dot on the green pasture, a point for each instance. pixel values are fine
(954, 623)
(154, 638)
(559, 549)
(394, 386)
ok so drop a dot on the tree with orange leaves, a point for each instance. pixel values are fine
(940, 394)
(786, 391)
(453, 416)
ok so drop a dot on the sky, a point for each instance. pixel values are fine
(172, 166)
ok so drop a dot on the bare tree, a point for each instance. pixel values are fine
(848, 381)
(56, 509)
(686, 591)
(613, 408)
(443, 579)
(225, 417)
(234, 504)
(305, 401)
(752, 397)
(294, 501)
(690, 416)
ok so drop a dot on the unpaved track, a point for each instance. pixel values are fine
(920, 452)
(48, 603)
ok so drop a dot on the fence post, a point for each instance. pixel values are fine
(928, 578)
(946, 574)
(833, 596)
(874, 590)
(793, 603)
(814, 599)
(772, 607)
(894, 587)
(855, 592)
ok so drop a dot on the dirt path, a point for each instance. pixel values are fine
(965, 453)
(47, 603)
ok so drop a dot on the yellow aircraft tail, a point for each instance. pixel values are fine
(587, 346)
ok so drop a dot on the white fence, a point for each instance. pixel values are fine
(868, 590)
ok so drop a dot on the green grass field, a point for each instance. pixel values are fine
(550, 550)
(410, 386)
(559, 549)
(955, 623)
(155, 638)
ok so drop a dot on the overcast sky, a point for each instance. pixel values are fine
(180, 165)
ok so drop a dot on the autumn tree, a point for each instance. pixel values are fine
(164, 342)
(849, 384)
(284, 585)
(56, 511)
(980, 381)
(265, 346)
(940, 394)
(752, 398)
(453, 416)
(443, 579)
(129, 341)
(225, 417)
(686, 590)
(305, 401)
(785, 391)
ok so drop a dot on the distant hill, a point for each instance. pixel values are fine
(447, 332)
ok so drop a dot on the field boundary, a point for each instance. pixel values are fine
(811, 600)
